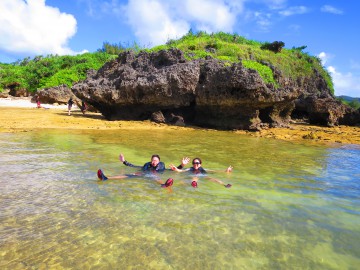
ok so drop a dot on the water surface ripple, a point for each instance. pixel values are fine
(291, 206)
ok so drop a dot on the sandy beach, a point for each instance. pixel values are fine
(20, 115)
(25, 103)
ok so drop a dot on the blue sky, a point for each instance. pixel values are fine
(329, 28)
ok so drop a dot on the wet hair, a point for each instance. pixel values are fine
(196, 159)
(155, 156)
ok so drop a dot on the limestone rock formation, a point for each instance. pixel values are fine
(59, 94)
(133, 87)
(206, 92)
(5, 93)
(326, 111)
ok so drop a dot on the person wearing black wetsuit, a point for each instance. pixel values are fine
(198, 169)
(154, 166)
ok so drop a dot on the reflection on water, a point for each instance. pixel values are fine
(291, 206)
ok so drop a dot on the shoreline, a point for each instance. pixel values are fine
(20, 115)
(25, 102)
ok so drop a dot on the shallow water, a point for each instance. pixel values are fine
(291, 206)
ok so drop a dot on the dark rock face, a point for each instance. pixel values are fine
(325, 111)
(233, 97)
(59, 94)
(165, 87)
(17, 92)
(132, 88)
(158, 117)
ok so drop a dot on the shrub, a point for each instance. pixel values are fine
(275, 47)
(50, 71)
(264, 71)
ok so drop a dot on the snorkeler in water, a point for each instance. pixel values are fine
(154, 166)
(197, 169)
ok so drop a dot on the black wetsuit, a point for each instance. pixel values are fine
(197, 171)
(148, 167)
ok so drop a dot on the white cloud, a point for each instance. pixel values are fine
(331, 9)
(323, 57)
(152, 23)
(31, 27)
(211, 16)
(294, 11)
(345, 84)
(156, 21)
(275, 4)
(99, 8)
(263, 20)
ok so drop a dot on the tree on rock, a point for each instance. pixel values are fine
(276, 46)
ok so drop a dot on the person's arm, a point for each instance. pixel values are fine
(122, 159)
(219, 182)
(176, 169)
(184, 161)
(228, 170)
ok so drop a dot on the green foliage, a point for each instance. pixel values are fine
(264, 71)
(293, 63)
(64, 76)
(275, 46)
(48, 71)
(42, 72)
(116, 49)
(353, 102)
(113, 49)
(300, 49)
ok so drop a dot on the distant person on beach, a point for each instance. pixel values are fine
(38, 104)
(198, 170)
(151, 168)
(70, 103)
(83, 107)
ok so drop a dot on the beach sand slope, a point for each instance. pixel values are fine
(19, 115)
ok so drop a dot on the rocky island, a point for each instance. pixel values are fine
(219, 81)
(165, 87)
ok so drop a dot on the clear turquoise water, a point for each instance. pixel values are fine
(291, 206)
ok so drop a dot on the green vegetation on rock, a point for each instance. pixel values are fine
(42, 72)
(351, 102)
(293, 63)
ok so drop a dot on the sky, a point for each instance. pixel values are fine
(329, 28)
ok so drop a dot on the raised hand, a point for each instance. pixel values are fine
(121, 158)
(229, 169)
(185, 160)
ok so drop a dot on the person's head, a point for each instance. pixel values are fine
(155, 159)
(196, 163)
